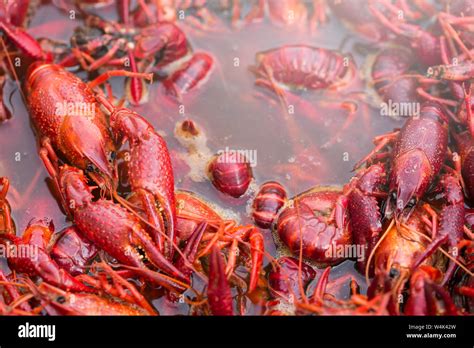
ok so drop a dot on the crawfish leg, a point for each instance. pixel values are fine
(218, 290)
(13, 292)
(122, 282)
(257, 245)
(106, 58)
(155, 256)
(4, 207)
(50, 160)
(154, 217)
(467, 100)
(381, 142)
(102, 78)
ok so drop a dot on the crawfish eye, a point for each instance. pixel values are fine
(61, 299)
(112, 156)
(89, 168)
(394, 273)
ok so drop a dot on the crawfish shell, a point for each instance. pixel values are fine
(268, 201)
(306, 223)
(230, 174)
(73, 252)
(283, 280)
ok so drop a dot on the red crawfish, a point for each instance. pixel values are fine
(12, 301)
(426, 296)
(393, 79)
(190, 251)
(364, 193)
(11, 20)
(7, 224)
(450, 231)
(297, 13)
(14, 12)
(149, 170)
(317, 223)
(72, 252)
(35, 245)
(419, 151)
(230, 173)
(323, 302)
(425, 44)
(287, 283)
(110, 226)
(102, 43)
(458, 76)
(164, 43)
(191, 210)
(395, 257)
(267, 203)
(294, 67)
(193, 13)
(35, 259)
(465, 147)
(79, 133)
(190, 76)
(289, 69)
(225, 234)
(283, 280)
(59, 302)
(219, 295)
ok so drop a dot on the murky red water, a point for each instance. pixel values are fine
(231, 114)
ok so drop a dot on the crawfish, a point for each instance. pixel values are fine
(36, 240)
(218, 290)
(37, 260)
(393, 80)
(72, 252)
(418, 155)
(299, 67)
(451, 224)
(190, 75)
(60, 302)
(150, 171)
(426, 296)
(79, 133)
(110, 226)
(158, 44)
(396, 255)
(356, 15)
(465, 146)
(84, 139)
(192, 211)
(283, 280)
(365, 216)
(316, 224)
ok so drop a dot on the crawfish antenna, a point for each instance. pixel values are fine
(372, 253)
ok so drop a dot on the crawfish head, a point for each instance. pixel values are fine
(426, 297)
(419, 153)
(283, 279)
(396, 255)
(34, 258)
(64, 110)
